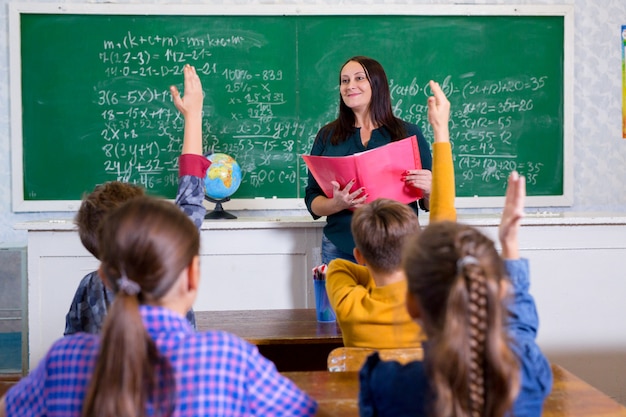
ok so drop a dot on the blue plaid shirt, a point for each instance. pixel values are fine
(92, 299)
(216, 373)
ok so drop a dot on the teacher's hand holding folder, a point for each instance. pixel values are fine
(377, 173)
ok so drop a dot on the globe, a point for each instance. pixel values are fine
(223, 177)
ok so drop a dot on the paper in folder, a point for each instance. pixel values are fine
(379, 170)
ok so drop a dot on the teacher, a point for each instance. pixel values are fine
(365, 121)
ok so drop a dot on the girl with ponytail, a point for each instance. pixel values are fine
(481, 358)
(149, 361)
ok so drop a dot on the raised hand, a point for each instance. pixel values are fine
(192, 100)
(439, 113)
(512, 215)
(190, 106)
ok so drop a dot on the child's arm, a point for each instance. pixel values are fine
(192, 164)
(346, 285)
(443, 191)
(190, 106)
(512, 215)
(523, 325)
(522, 320)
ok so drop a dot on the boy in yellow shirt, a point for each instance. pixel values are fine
(369, 298)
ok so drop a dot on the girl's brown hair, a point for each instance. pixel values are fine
(457, 276)
(145, 243)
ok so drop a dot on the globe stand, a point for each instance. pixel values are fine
(218, 212)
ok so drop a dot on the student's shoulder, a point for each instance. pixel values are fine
(90, 284)
(394, 385)
(74, 348)
(343, 265)
(387, 369)
(219, 343)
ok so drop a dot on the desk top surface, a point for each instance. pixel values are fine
(337, 393)
(267, 327)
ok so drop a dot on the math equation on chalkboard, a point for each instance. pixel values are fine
(270, 83)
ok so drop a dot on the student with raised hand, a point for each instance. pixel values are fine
(365, 121)
(93, 298)
(369, 298)
(193, 165)
(481, 357)
(148, 359)
(443, 186)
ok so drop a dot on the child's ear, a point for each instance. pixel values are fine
(413, 306)
(193, 271)
(358, 256)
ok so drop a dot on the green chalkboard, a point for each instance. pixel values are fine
(95, 104)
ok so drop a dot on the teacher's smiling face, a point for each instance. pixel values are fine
(355, 88)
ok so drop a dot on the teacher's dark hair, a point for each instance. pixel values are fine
(380, 108)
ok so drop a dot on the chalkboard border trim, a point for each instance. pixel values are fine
(16, 9)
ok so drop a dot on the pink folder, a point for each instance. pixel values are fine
(379, 170)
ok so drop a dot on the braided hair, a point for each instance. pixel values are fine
(457, 276)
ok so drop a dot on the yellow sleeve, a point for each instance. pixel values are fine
(346, 284)
(443, 191)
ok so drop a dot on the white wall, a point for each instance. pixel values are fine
(599, 154)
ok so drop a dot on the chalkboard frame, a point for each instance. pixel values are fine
(20, 204)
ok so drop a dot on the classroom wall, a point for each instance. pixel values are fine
(599, 151)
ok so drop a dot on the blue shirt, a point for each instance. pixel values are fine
(390, 389)
(337, 228)
(92, 298)
(216, 374)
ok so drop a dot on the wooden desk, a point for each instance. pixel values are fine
(337, 393)
(293, 339)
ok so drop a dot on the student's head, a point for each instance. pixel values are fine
(457, 289)
(380, 229)
(149, 241)
(97, 204)
(378, 86)
(148, 248)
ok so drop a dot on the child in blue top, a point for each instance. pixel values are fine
(481, 358)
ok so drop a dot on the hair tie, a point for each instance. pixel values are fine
(461, 263)
(128, 286)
